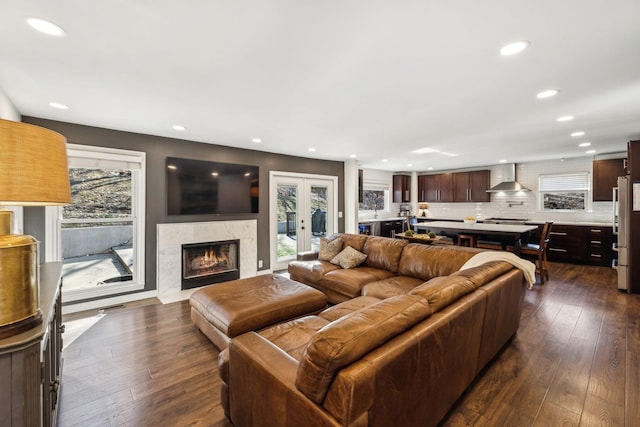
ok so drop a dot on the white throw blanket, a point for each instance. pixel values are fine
(528, 268)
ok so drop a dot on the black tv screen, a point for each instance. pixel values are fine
(197, 187)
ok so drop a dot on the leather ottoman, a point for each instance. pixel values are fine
(225, 310)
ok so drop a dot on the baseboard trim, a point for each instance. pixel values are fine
(107, 302)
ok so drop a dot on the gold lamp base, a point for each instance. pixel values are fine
(18, 284)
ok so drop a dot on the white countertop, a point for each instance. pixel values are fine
(477, 227)
(398, 218)
(536, 221)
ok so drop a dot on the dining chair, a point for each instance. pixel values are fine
(539, 251)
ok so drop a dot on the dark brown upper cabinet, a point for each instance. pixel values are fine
(471, 186)
(401, 188)
(435, 188)
(605, 177)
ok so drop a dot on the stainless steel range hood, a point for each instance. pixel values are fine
(508, 182)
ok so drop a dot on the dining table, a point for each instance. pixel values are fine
(514, 232)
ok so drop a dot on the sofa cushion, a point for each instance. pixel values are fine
(350, 282)
(426, 262)
(349, 338)
(293, 336)
(444, 290)
(329, 248)
(347, 307)
(486, 272)
(310, 272)
(384, 253)
(387, 288)
(349, 258)
(356, 241)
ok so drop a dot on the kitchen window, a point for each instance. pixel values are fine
(375, 198)
(565, 192)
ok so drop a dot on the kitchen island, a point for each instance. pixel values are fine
(509, 231)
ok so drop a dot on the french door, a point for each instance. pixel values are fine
(302, 211)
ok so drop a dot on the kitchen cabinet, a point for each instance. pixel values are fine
(391, 227)
(422, 188)
(401, 188)
(31, 362)
(437, 188)
(581, 244)
(382, 227)
(605, 177)
(471, 186)
(599, 246)
(566, 243)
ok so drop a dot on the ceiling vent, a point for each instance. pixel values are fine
(508, 181)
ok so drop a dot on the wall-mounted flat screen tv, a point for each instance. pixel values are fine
(196, 187)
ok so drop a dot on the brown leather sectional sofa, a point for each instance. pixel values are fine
(409, 334)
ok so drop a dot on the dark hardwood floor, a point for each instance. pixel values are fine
(574, 362)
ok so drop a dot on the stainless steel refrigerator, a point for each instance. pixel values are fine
(621, 229)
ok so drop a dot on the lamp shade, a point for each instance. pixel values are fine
(33, 166)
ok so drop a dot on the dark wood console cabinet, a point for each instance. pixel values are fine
(31, 362)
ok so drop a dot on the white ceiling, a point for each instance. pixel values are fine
(373, 78)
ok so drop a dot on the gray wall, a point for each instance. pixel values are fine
(158, 148)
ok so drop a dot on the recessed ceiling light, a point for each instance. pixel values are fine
(353, 156)
(59, 106)
(584, 144)
(172, 167)
(503, 161)
(256, 140)
(409, 165)
(514, 48)
(45, 27)
(565, 118)
(179, 128)
(429, 169)
(576, 134)
(444, 153)
(313, 150)
(385, 160)
(214, 173)
(547, 93)
(590, 151)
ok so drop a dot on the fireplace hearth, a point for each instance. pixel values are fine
(210, 262)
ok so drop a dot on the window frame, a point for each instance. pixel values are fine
(377, 186)
(85, 156)
(559, 183)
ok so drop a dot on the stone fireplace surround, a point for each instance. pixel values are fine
(171, 237)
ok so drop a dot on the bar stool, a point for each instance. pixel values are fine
(467, 240)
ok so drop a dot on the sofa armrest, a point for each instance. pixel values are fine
(307, 256)
(262, 387)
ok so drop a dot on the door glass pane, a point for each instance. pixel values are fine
(97, 228)
(319, 211)
(286, 211)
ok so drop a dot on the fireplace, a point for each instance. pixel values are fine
(210, 262)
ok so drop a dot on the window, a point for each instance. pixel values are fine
(565, 192)
(374, 198)
(101, 233)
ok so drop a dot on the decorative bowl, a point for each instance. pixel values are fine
(469, 221)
